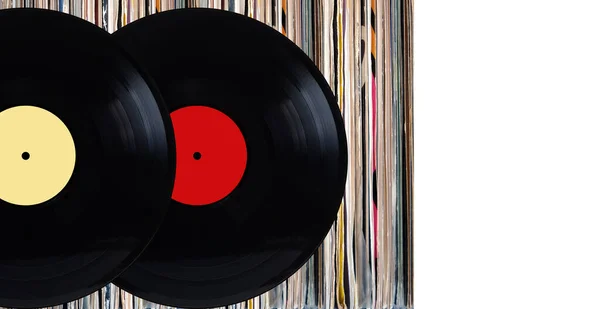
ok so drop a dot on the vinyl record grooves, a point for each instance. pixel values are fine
(86, 159)
(261, 157)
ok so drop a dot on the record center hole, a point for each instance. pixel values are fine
(25, 155)
(197, 156)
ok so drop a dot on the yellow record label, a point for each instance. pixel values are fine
(37, 155)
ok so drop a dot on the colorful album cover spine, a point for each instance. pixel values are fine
(364, 50)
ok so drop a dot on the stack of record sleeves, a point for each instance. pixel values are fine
(361, 161)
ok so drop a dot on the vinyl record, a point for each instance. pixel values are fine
(86, 159)
(261, 157)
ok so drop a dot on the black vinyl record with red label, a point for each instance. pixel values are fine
(261, 157)
(87, 159)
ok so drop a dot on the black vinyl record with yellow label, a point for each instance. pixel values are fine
(86, 158)
(261, 157)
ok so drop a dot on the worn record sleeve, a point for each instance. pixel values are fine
(364, 50)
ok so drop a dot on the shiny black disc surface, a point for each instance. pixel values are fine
(86, 158)
(288, 198)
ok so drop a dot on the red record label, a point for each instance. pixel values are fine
(211, 155)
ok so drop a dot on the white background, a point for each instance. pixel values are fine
(507, 154)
